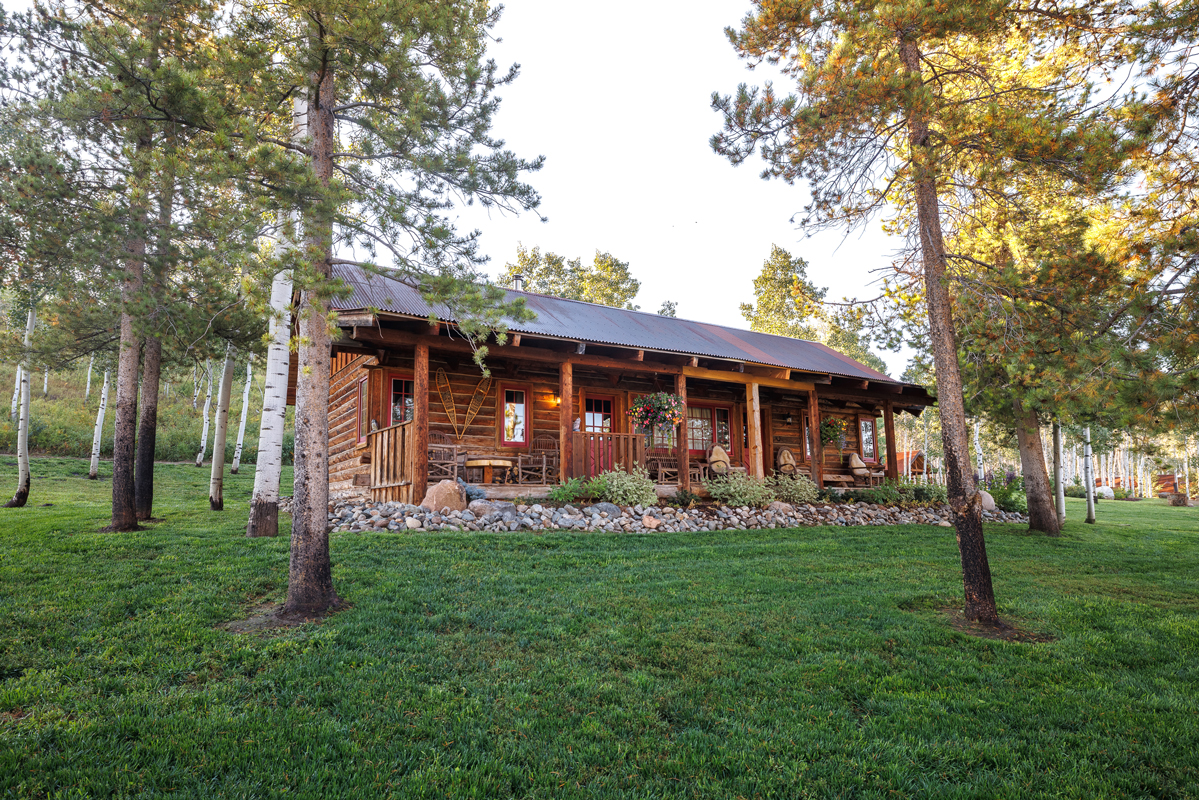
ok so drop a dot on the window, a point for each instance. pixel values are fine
(868, 446)
(707, 426)
(514, 416)
(597, 415)
(401, 400)
(807, 438)
(363, 408)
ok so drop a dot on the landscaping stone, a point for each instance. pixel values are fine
(445, 494)
(988, 500)
(1105, 492)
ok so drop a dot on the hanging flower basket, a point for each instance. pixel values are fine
(833, 429)
(653, 411)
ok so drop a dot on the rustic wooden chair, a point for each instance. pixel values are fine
(663, 464)
(445, 458)
(540, 464)
(718, 461)
(785, 462)
(863, 474)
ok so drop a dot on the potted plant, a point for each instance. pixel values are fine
(834, 430)
(658, 410)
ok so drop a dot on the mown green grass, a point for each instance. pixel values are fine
(806, 663)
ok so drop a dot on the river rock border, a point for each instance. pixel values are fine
(499, 516)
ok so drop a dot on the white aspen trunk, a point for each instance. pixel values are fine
(264, 502)
(88, 391)
(93, 471)
(245, 406)
(1059, 491)
(1088, 471)
(16, 396)
(978, 449)
(23, 476)
(207, 407)
(195, 384)
(46, 382)
(216, 485)
(1186, 464)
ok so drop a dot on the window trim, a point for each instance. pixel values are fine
(615, 409)
(873, 437)
(397, 375)
(364, 400)
(687, 428)
(499, 413)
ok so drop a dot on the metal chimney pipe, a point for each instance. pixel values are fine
(518, 282)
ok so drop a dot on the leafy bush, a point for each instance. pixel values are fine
(472, 492)
(1076, 490)
(1008, 491)
(930, 493)
(683, 498)
(793, 489)
(739, 489)
(575, 489)
(634, 488)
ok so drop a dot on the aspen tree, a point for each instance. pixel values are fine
(207, 408)
(216, 486)
(23, 475)
(245, 407)
(94, 470)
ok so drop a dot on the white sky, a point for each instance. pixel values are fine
(617, 97)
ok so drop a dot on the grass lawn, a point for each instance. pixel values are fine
(802, 663)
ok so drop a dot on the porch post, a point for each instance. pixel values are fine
(814, 444)
(892, 450)
(420, 423)
(753, 416)
(566, 405)
(680, 388)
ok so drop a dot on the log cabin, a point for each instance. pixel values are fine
(409, 406)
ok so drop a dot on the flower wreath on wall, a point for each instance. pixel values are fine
(653, 411)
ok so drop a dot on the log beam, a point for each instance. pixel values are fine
(680, 388)
(420, 422)
(817, 462)
(892, 446)
(753, 416)
(565, 418)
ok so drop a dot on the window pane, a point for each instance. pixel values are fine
(598, 415)
(401, 401)
(699, 428)
(724, 436)
(363, 425)
(514, 415)
(867, 438)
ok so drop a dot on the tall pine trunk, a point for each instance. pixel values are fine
(147, 430)
(963, 498)
(207, 409)
(94, 470)
(1042, 516)
(310, 574)
(216, 485)
(245, 407)
(23, 476)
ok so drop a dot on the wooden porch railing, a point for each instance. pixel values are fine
(391, 463)
(600, 452)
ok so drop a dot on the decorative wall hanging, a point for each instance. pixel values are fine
(476, 402)
(447, 400)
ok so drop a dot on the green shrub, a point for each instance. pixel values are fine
(683, 498)
(565, 492)
(793, 489)
(930, 493)
(739, 489)
(634, 488)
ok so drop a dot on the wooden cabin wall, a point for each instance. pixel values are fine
(345, 455)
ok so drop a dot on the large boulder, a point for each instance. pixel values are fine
(988, 501)
(612, 510)
(1179, 499)
(1105, 492)
(446, 494)
(481, 508)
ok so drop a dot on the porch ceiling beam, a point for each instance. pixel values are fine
(445, 344)
(745, 378)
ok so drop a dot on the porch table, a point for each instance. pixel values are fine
(489, 464)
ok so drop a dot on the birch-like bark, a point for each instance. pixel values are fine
(268, 467)
(1186, 465)
(978, 450)
(195, 385)
(87, 392)
(16, 397)
(965, 500)
(1041, 514)
(46, 382)
(1088, 475)
(1059, 489)
(94, 470)
(245, 407)
(216, 485)
(207, 408)
(310, 573)
(23, 476)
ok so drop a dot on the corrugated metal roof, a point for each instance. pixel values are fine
(588, 322)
